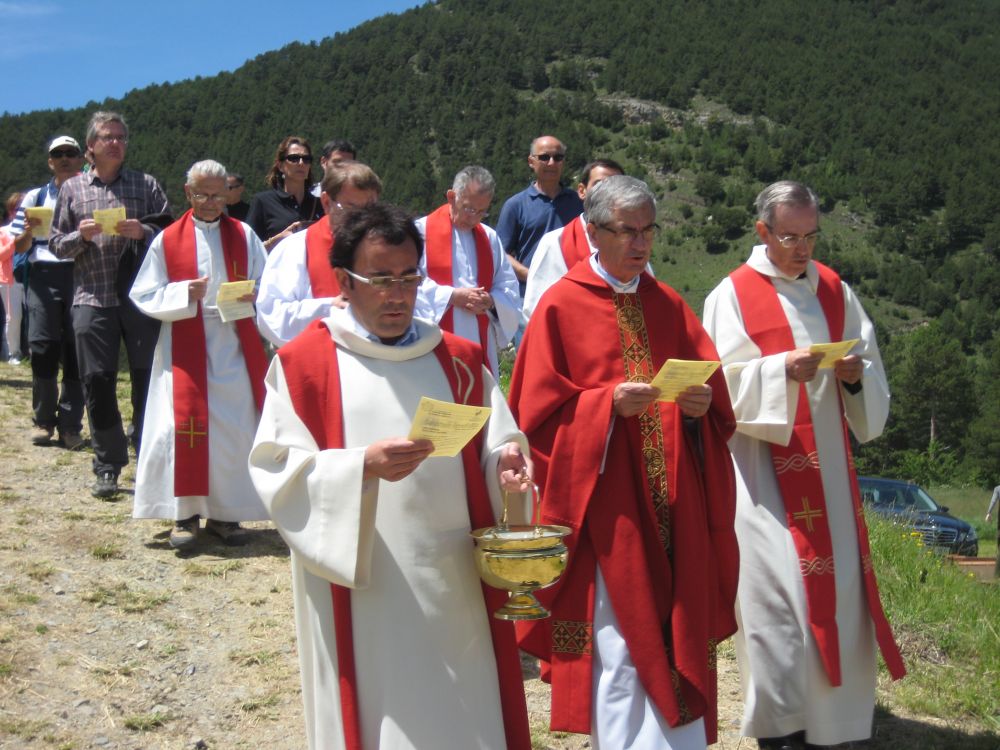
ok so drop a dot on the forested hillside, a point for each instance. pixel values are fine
(890, 110)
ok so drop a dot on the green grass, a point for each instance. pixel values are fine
(146, 722)
(124, 598)
(948, 625)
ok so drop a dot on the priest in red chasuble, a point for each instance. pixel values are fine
(298, 285)
(207, 383)
(809, 611)
(646, 486)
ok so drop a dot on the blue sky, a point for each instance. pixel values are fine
(67, 53)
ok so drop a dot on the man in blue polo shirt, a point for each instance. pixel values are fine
(541, 207)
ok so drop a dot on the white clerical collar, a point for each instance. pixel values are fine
(759, 261)
(411, 336)
(626, 288)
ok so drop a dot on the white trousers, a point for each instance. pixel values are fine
(624, 718)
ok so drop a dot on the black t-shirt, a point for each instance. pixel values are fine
(238, 210)
(273, 210)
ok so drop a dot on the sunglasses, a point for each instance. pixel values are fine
(299, 158)
(64, 153)
(550, 157)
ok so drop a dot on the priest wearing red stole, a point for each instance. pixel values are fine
(562, 248)
(471, 289)
(396, 639)
(646, 486)
(298, 285)
(809, 611)
(207, 384)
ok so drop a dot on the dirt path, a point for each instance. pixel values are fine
(109, 639)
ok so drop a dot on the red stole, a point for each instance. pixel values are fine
(658, 521)
(800, 477)
(313, 376)
(439, 264)
(573, 243)
(189, 354)
(319, 244)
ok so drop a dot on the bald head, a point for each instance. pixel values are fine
(547, 161)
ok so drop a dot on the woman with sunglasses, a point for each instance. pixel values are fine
(288, 206)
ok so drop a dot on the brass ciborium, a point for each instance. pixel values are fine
(521, 560)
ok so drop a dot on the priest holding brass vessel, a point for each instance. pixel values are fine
(646, 486)
(397, 643)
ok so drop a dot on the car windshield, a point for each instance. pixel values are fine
(900, 497)
(921, 500)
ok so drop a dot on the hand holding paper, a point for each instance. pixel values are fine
(677, 375)
(108, 218)
(832, 352)
(230, 300)
(449, 426)
(40, 219)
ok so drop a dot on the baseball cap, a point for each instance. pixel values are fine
(63, 140)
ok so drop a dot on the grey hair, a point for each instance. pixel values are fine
(207, 168)
(474, 175)
(783, 193)
(617, 192)
(103, 118)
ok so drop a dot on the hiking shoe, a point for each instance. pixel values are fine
(185, 533)
(41, 435)
(229, 532)
(106, 485)
(72, 440)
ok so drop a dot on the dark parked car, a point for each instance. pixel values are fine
(908, 503)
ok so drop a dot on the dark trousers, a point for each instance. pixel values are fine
(51, 343)
(99, 333)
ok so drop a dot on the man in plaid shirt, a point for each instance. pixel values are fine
(107, 251)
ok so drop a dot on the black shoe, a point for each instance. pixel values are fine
(106, 485)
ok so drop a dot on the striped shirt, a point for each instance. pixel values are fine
(97, 261)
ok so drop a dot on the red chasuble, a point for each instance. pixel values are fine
(439, 264)
(573, 242)
(189, 354)
(309, 363)
(799, 474)
(658, 520)
(319, 244)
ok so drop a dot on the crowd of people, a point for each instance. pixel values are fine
(278, 350)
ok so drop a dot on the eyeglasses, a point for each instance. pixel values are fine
(791, 241)
(122, 139)
(298, 158)
(470, 211)
(64, 153)
(207, 198)
(550, 157)
(647, 233)
(383, 284)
